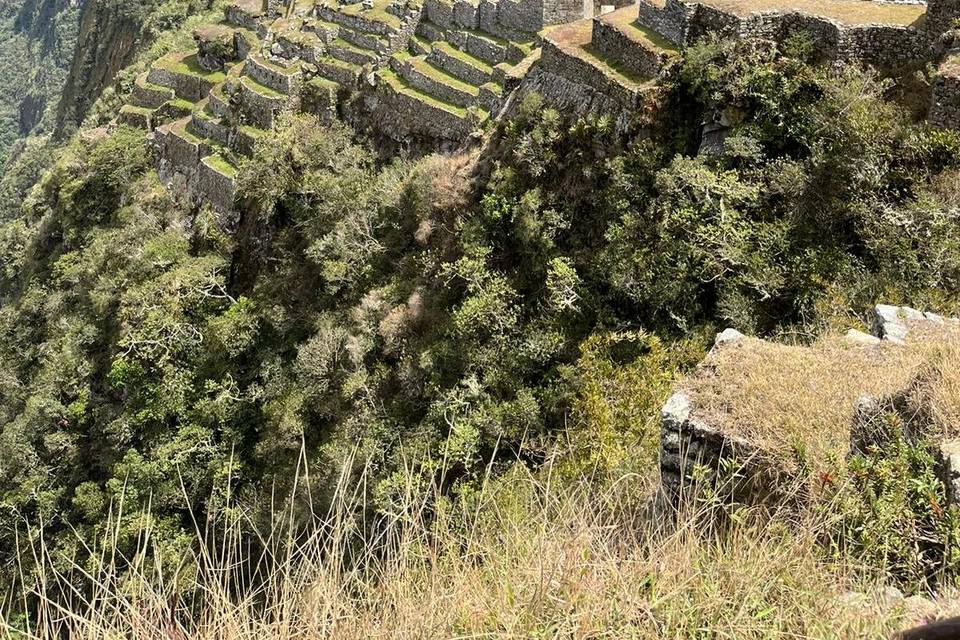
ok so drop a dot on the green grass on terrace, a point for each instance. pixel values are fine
(220, 164)
(349, 46)
(574, 39)
(179, 128)
(186, 63)
(287, 71)
(343, 64)
(378, 13)
(493, 87)
(262, 89)
(463, 56)
(613, 68)
(845, 11)
(251, 131)
(443, 76)
(131, 108)
(323, 83)
(182, 104)
(423, 42)
(401, 86)
(143, 83)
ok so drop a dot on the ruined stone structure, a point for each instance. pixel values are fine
(440, 70)
(695, 447)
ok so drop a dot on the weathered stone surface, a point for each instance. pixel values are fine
(859, 337)
(884, 45)
(945, 99)
(893, 323)
(950, 469)
(727, 336)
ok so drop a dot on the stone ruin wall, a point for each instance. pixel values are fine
(687, 443)
(941, 15)
(614, 43)
(670, 21)
(886, 46)
(555, 61)
(945, 105)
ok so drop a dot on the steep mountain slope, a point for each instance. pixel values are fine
(37, 40)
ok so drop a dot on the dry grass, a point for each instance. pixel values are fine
(850, 12)
(785, 399)
(525, 560)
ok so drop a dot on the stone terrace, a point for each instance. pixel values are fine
(760, 416)
(888, 35)
(439, 70)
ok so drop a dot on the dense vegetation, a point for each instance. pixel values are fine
(37, 40)
(450, 313)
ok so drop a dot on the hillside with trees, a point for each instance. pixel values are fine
(419, 394)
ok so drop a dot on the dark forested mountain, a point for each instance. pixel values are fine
(37, 40)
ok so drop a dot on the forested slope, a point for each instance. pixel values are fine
(439, 319)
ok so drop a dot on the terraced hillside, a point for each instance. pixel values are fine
(431, 70)
(440, 70)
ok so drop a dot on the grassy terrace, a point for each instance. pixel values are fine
(845, 11)
(342, 64)
(182, 104)
(287, 71)
(143, 83)
(186, 63)
(442, 76)
(179, 128)
(220, 164)
(349, 46)
(378, 13)
(462, 56)
(251, 131)
(262, 89)
(424, 44)
(132, 108)
(624, 20)
(784, 398)
(401, 86)
(574, 39)
(524, 45)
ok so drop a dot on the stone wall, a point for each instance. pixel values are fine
(562, 11)
(885, 46)
(945, 105)
(520, 16)
(574, 98)
(186, 85)
(214, 187)
(615, 45)
(400, 116)
(670, 21)
(941, 15)
(285, 81)
(555, 60)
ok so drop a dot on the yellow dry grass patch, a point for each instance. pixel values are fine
(845, 11)
(528, 561)
(787, 399)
